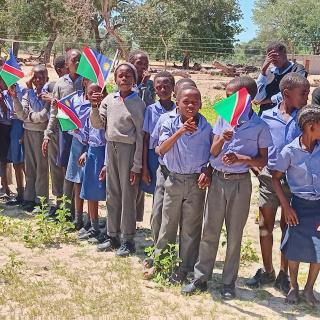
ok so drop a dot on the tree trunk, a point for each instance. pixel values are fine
(95, 27)
(49, 46)
(15, 47)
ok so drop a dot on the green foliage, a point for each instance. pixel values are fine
(248, 253)
(164, 263)
(9, 272)
(207, 109)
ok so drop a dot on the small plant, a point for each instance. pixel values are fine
(248, 253)
(9, 272)
(164, 263)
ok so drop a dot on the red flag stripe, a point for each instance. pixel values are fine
(240, 106)
(16, 72)
(95, 65)
(70, 114)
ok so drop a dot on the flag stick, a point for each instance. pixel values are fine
(112, 65)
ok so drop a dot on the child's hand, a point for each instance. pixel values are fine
(46, 97)
(188, 126)
(12, 91)
(230, 158)
(204, 181)
(44, 147)
(256, 170)
(146, 176)
(146, 76)
(103, 173)
(134, 177)
(271, 56)
(29, 82)
(290, 216)
(227, 135)
(21, 141)
(96, 99)
(82, 159)
(54, 103)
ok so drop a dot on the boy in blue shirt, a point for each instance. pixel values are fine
(233, 152)
(282, 122)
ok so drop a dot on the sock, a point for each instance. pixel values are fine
(95, 224)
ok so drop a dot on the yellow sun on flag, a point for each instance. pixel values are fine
(67, 103)
(106, 66)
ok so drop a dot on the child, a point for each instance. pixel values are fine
(164, 85)
(92, 188)
(145, 89)
(282, 122)
(300, 161)
(121, 113)
(33, 111)
(233, 152)
(184, 144)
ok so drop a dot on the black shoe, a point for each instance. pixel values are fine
(282, 282)
(126, 249)
(91, 233)
(15, 202)
(51, 215)
(194, 287)
(28, 206)
(178, 277)
(84, 230)
(100, 239)
(261, 278)
(227, 292)
(78, 225)
(110, 243)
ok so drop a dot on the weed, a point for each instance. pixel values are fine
(9, 272)
(248, 253)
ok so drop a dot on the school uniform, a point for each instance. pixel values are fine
(302, 242)
(123, 121)
(161, 176)
(92, 188)
(5, 129)
(183, 200)
(151, 117)
(228, 198)
(282, 133)
(34, 113)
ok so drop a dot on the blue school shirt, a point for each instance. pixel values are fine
(95, 137)
(151, 117)
(246, 140)
(191, 152)
(302, 169)
(35, 101)
(282, 132)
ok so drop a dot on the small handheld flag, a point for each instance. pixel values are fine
(11, 71)
(236, 108)
(94, 66)
(67, 114)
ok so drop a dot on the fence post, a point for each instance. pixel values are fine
(165, 53)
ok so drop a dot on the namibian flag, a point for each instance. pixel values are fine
(236, 108)
(11, 72)
(67, 113)
(94, 66)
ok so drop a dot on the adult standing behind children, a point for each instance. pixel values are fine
(268, 82)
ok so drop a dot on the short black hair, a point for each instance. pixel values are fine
(69, 52)
(59, 62)
(133, 55)
(184, 82)
(244, 82)
(40, 68)
(308, 114)
(293, 80)
(181, 90)
(165, 74)
(277, 46)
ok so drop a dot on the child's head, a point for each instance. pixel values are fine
(188, 102)
(90, 89)
(125, 76)
(40, 76)
(60, 65)
(182, 83)
(309, 120)
(281, 51)
(72, 60)
(295, 89)
(140, 60)
(242, 82)
(164, 84)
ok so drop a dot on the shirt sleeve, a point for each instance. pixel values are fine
(283, 160)
(146, 121)
(277, 98)
(265, 138)
(165, 131)
(261, 85)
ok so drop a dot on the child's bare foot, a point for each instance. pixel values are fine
(309, 297)
(293, 296)
(149, 273)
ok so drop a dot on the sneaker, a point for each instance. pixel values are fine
(91, 233)
(261, 278)
(14, 202)
(28, 206)
(51, 215)
(36, 210)
(178, 277)
(110, 243)
(84, 230)
(78, 225)
(100, 239)
(282, 282)
(127, 248)
(227, 292)
(194, 287)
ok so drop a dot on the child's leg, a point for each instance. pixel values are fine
(19, 173)
(283, 260)
(78, 203)
(293, 295)
(140, 205)
(308, 289)
(93, 213)
(4, 178)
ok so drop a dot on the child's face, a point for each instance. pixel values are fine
(297, 97)
(73, 61)
(91, 89)
(281, 59)
(142, 64)
(62, 71)
(189, 103)
(125, 78)
(39, 79)
(163, 87)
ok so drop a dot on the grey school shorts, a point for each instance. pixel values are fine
(268, 197)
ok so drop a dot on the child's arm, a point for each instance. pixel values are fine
(20, 108)
(167, 144)
(82, 159)
(290, 215)
(98, 114)
(219, 140)
(145, 171)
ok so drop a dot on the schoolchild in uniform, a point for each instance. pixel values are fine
(233, 152)
(299, 160)
(282, 122)
(122, 115)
